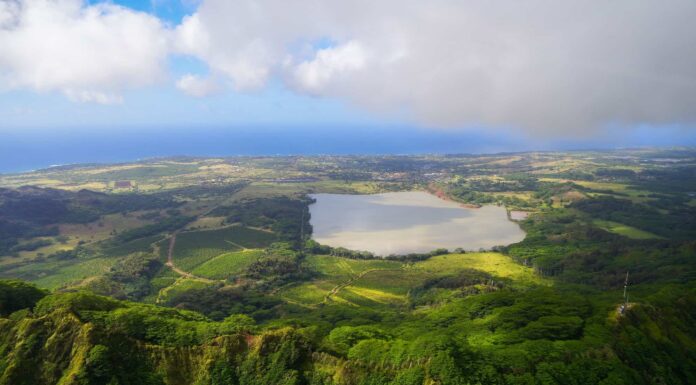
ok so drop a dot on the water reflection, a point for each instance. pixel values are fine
(406, 222)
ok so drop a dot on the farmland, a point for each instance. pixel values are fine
(381, 282)
(55, 274)
(625, 230)
(145, 244)
(333, 272)
(245, 267)
(228, 264)
(196, 247)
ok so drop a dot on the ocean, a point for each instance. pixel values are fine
(25, 149)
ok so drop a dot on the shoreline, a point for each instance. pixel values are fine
(442, 195)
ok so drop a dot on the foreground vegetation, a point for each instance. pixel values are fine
(181, 284)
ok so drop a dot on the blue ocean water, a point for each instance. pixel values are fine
(24, 150)
(30, 149)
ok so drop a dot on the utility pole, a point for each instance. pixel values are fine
(625, 295)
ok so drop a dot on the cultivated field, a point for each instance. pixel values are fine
(194, 248)
(228, 264)
(375, 283)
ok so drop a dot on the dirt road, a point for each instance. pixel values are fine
(170, 262)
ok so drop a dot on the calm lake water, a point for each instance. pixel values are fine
(407, 222)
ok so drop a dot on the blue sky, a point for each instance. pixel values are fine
(171, 11)
(163, 105)
(166, 106)
(461, 69)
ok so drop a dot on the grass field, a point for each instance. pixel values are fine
(625, 230)
(159, 283)
(26, 256)
(180, 285)
(193, 248)
(523, 195)
(376, 283)
(76, 272)
(88, 233)
(227, 264)
(389, 283)
(333, 271)
(55, 274)
(625, 191)
(342, 268)
(51, 273)
(269, 189)
(308, 294)
(365, 293)
(104, 227)
(495, 264)
(137, 245)
(206, 223)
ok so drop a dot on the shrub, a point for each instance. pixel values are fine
(76, 302)
(16, 295)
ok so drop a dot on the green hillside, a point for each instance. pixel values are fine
(211, 276)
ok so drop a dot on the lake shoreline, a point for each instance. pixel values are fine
(408, 222)
(442, 195)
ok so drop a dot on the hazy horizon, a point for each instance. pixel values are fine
(37, 149)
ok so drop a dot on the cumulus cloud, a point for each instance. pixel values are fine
(197, 86)
(546, 66)
(89, 53)
(328, 66)
(543, 65)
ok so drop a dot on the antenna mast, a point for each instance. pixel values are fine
(625, 294)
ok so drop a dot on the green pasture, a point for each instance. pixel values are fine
(625, 230)
(496, 264)
(138, 245)
(227, 264)
(388, 282)
(375, 283)
(625, 191)
(271, 189)
(194, 248)
(343, 268)
(308, 294)
(144, 172)
(180, 285)
(55, 274)
(27, 256)
(332, 272)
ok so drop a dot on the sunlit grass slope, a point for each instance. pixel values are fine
(377, 283)
(225, 265)
(625, 230)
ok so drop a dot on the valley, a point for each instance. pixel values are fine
(459, 269)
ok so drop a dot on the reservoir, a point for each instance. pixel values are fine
(407, 222)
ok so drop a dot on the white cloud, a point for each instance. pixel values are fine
(546, 66)
(197, 86)
(243, 58)
(328, 65)
(89, 53)
(9, 11)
